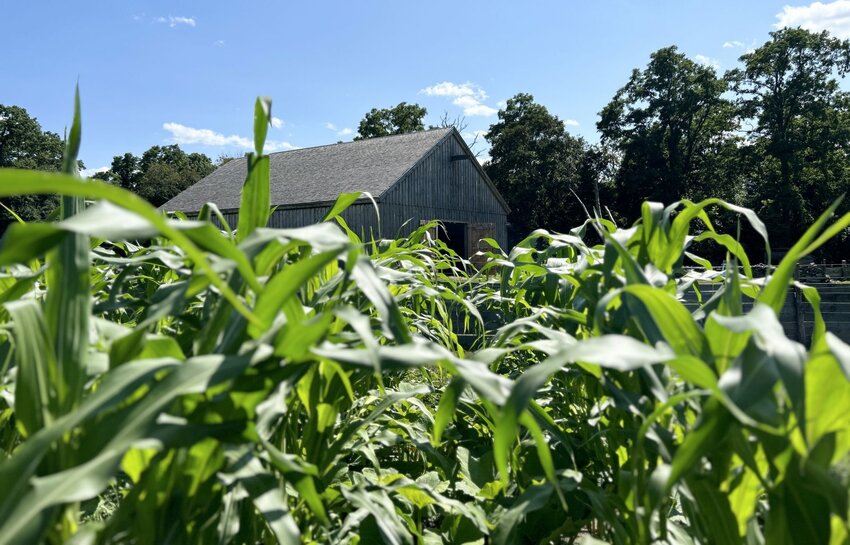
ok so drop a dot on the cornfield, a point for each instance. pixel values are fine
(165, 380)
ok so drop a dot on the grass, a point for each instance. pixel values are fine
(287, 386)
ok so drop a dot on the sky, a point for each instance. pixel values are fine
(187, 72)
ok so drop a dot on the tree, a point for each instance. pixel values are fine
(160, 173)
(800, 127)
(597, 174)
(673, 129)
(401, 119)
(534, 162)
(23, 144)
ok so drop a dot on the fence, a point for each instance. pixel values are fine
(832, 281)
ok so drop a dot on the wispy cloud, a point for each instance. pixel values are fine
(174, 21)
(817, 16)
(571, 123)
(707, 61)
(345, 131)
(89, 172)
(219, 43)
(181, 134)
(277, 122)
(468, 96)
(734, 44)
(278, 145)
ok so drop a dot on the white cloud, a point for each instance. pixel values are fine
(89, 172)
(707, 61)
(817, 16)
(277, 122)
(277, 145)
(174, 21)
(571, 123)
(734, 44)
(339, 132)
(468, 96)
(219, 43)
(181, 134)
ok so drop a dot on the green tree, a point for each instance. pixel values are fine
(799, 138)
(23, 144)
(673, 129)
(160, 173)
(535, 163)
(400, 119)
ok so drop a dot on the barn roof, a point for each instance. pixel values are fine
(320, 174)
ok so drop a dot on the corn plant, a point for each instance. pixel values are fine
(166, 380)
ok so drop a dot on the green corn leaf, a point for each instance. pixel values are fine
(714, 511)
(672, 320)
(262, 120)
(255, 206)
(342, 203)
(446, 408)
(68, 301)
(776, 289)
(89, 478)
(681, 224)
(17, 182)
(36, 403)
(285, 285)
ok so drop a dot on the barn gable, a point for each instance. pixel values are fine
(449, 185)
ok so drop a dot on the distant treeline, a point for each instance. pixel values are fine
(772, 135)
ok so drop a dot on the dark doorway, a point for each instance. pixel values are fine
(454, 235)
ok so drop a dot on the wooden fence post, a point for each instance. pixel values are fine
(798, 309)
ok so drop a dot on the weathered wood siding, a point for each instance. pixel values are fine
(797, 315)
(438, 188)
(360, 217)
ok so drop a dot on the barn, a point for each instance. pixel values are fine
(414, 178)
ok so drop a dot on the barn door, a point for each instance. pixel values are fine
(478, 231)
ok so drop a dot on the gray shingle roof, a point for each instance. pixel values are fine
(319, 174)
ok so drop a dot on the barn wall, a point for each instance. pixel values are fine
(438, 188)
(360, 217)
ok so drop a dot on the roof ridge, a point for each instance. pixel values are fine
(412, 133)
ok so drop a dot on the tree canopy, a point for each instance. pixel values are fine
(798, 126)
(23, 144)
(535, 163)
(671, 124)
(400, 119)
(160, 173)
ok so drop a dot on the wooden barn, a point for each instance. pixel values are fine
(415, 178)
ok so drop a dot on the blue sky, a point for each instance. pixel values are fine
(188, 72)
